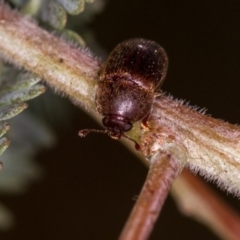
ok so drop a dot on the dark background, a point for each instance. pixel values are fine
(90, 184)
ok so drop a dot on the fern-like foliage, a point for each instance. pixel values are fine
(15, 89)
(52, 12)
(27, 134)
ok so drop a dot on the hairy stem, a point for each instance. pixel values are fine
(69, 70)
(212, 146)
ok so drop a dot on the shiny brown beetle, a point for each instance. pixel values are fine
(128, 85)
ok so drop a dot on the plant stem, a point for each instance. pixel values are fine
(164, 169)
(212, 146)
(69, 70)
(195, 199)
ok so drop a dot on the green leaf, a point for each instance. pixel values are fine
(31, 7)
(54, 14)
(4, 127)
(4, 143)
(21, 95)
(74, 37)
(12, 110)
(73, 7)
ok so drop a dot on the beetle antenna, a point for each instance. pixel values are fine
(85, 132)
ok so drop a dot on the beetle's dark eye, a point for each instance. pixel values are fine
(117, 123)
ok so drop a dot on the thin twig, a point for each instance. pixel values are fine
(197, 200)
(164, 168)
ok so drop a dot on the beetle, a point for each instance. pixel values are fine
(129, 81)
